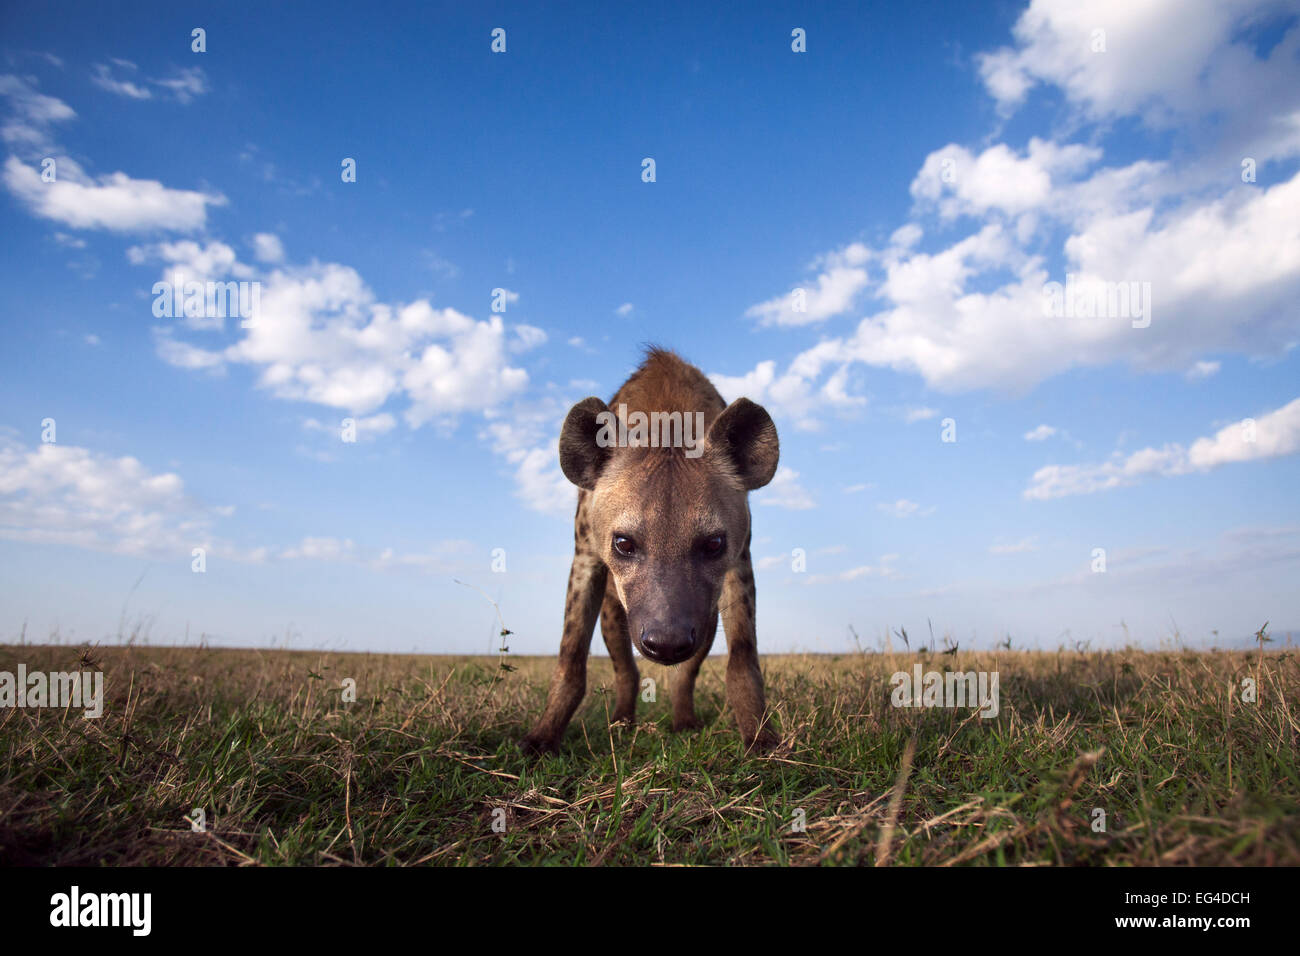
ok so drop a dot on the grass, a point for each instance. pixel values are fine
(419, 768)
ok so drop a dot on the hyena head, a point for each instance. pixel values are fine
(669, 522)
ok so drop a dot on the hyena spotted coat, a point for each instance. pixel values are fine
(661, 543)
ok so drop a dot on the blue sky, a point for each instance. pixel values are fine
(922, 172)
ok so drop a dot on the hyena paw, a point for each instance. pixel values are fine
(681, 724)
(762, 742)
(539, 744)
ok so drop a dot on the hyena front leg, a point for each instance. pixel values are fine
(681, 683)
(618, 639)
(569, 682)
(744, 678)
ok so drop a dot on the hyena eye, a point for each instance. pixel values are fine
(624, 545)
(714, 546)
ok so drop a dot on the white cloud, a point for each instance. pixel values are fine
(320, 549)
(442, 220)
(32, 115)
(183, 85)
(904, 238)
(1041, 433)
(321, 336)
(467, 371)
(67, 495)
(842, 277)
(998, 179)
(793, 394)
(526, 438)
(1201, 371)
(913, 415)
(188, 261)
(1167, 61)
(441, 266)
(540, 483)
(184, 355)
(1058, 481)
(1273, 435)
(115, 202)
(1221, 259)
(903, 508)
(1020, 547)
(526, 337)
(104, 79)
(64, 494)
(784, 491)
(367, 428)
(374, 425)
(444, 557)
(624, 310)
(1222, 275)
(268, 248)
(884, 569)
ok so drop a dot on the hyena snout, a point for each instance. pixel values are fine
(667, 642)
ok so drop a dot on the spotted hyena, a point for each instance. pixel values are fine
(661, 542)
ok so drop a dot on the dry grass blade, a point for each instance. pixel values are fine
(895, 804)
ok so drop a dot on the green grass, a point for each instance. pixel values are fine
(419, 767)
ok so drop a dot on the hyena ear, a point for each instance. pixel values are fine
(581, 456)
(745, 436)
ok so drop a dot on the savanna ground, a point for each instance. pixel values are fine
(424, 762)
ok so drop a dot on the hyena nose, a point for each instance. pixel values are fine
(668, 645)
